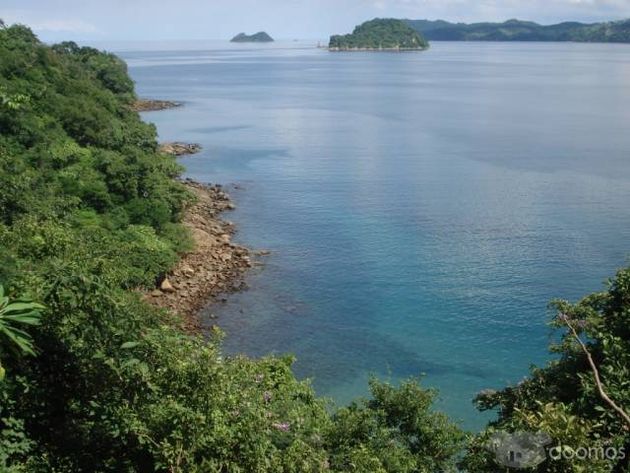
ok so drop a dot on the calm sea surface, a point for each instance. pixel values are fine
(421, 208)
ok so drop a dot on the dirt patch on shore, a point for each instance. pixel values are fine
(215, 267)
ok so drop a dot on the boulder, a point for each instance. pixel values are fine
(166, 286)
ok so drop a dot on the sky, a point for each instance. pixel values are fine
(111, 20)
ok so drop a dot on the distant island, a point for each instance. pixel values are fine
(260, 37)
(380, 35)
(517, 30)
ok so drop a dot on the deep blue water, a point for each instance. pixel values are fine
(421, 208)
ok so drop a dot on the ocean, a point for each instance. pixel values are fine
(421, 209)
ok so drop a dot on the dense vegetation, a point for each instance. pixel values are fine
(515, 30)
(260, 37)
(380, 34)
(93, 379)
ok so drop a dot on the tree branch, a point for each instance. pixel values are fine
(598, 381)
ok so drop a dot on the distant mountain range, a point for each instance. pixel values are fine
(516, 30)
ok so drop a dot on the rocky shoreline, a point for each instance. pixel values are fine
(178, 148)
(215, 266)
(149, 105)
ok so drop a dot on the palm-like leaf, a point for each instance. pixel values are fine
(12, 316)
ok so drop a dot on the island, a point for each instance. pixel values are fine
(517, 30)
(260, 37)
(380, 35)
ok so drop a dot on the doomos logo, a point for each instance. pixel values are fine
(519, 449)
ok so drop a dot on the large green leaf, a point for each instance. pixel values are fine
(14, 314)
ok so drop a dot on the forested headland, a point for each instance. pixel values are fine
(379, 34)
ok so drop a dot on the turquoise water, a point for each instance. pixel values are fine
(421, 209)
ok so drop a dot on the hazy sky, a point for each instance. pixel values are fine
(215, 19)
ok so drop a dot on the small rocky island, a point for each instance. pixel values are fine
(380, 35)
(260, 37)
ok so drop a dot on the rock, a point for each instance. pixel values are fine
(230, 206)
(177, 148)
(157, 293)
(187, 270)
(148, 105)
(166, 286)
(263, 253)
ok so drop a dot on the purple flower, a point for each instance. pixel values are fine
(281, 426)
(582, 324)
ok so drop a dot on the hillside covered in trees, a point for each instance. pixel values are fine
(93, 379)
(379, 34)
(516, 30)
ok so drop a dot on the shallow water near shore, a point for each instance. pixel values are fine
(422, 209)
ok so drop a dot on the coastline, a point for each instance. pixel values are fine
(215, 265)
